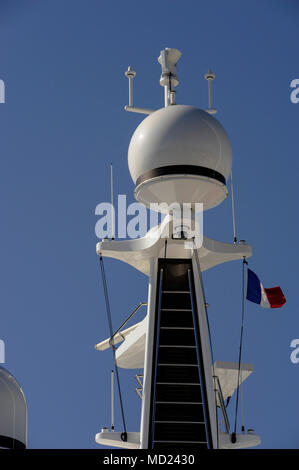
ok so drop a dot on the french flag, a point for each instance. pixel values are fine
(257, 293)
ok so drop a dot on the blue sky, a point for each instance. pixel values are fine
(63, 64)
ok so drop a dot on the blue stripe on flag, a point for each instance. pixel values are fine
(254, 293)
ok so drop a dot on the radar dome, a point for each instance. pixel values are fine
(13, 413)
(180, 154)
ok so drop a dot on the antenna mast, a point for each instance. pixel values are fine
(210, 76)
(168, 59)
(178, 155)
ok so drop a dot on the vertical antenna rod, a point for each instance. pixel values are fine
(130, 74)
(210, 76)
(166, 78)
(112, 400)
(233, 207)
(112, 203)
(168, 59)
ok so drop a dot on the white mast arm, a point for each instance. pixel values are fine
(117, 338)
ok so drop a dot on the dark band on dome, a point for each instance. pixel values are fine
(181, 170)
(11, 443)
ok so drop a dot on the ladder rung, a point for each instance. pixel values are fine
(176, 328)
(180, 422)
(183, 442)
(175, 346)
(179, 402)
(176, 292)
(178, 383)
(177, 365)
(176, 309)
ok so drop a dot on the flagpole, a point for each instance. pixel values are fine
(244, 263)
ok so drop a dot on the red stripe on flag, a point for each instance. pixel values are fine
(275, 297)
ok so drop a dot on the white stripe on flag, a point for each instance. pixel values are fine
(264, 299)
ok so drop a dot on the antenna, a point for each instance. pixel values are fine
(168, 59)
(112, 400)
(131, 74)
(112, 201)
(210, 76)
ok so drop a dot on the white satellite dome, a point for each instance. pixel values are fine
(13, 413)
(180, 154)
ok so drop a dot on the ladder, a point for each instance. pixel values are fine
(179, 414)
